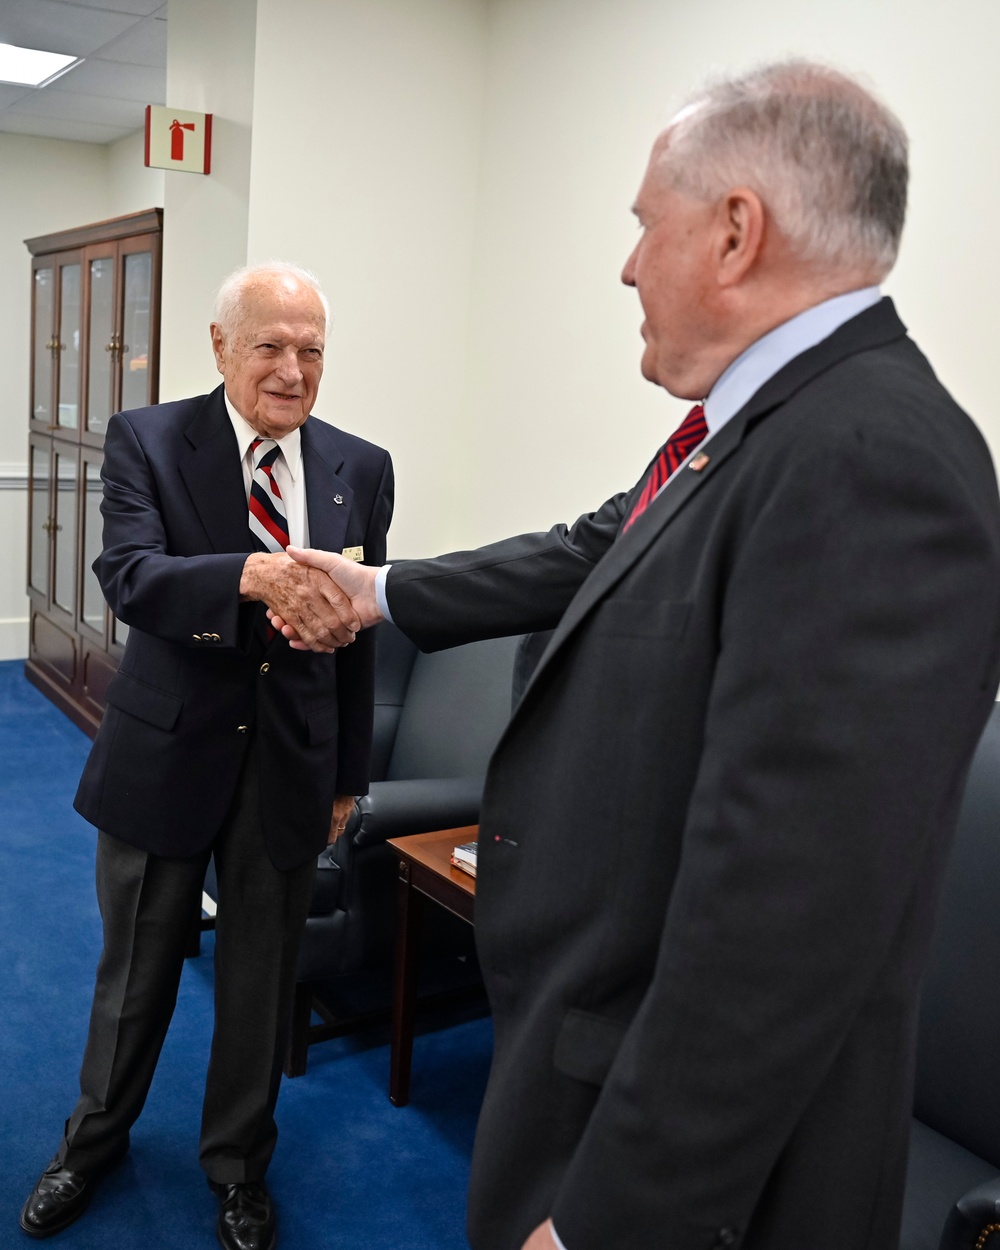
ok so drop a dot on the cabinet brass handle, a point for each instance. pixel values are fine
(110, 347)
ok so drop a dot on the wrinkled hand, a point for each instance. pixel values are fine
(303, 597)
(343, 806)
(541, 1238)
(351, 585)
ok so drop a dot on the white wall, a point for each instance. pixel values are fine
(459, 174)
(560, 415)
(370, 180)
(131, 186)
(47, 185)
(210, 63)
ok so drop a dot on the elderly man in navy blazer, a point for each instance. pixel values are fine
(714, 830)
(218, 737)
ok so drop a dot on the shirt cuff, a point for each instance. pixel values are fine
(383, 607)
(556, 1238)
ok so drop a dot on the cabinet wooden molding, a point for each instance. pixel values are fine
(95, 333)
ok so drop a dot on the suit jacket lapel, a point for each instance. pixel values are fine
(322, 461)
(628, 547)
(213, 475)
(875, 327)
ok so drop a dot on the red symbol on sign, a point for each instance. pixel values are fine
(177, 138)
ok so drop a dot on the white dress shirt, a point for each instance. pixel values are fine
(288, 473)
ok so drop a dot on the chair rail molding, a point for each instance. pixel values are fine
(14, 476)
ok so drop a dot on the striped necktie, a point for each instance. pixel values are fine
(268, 522)
(674, 452)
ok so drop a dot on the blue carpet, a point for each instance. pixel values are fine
(350, 1172)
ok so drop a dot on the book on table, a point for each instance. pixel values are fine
(464, 857)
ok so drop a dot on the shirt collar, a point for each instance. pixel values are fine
(762, 360)
(290, 443)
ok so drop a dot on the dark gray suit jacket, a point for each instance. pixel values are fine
(713, 832)
(199, 674)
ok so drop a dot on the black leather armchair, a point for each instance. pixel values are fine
(437, 719)
(953, 1182)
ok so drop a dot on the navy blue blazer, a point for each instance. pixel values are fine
(199, 676)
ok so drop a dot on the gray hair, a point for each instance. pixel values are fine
(827, 158)
(230, 301)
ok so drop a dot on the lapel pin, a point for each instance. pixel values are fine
(699, 462)
(338, 499)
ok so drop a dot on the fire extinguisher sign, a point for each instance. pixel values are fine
(178, 139)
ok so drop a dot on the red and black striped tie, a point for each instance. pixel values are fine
(268, 522)
(674, 452)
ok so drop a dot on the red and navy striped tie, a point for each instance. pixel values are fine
(674, 452)
(268, 522)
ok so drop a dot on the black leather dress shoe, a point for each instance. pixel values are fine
(61, 1196)
(246, 1217)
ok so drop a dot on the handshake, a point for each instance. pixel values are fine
(317, 599)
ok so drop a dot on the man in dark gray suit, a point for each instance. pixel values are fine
(713, 832)
(218, 738)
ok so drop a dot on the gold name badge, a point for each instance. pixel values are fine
(354, 553)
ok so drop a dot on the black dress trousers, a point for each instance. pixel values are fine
(147, 907)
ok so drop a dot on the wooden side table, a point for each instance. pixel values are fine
(425, 871)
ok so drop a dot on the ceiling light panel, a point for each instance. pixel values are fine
(29, 67)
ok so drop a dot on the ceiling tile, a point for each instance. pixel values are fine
(56, 27)
(145, 43)
(9, 93)
(141, 8)
(113, 78)
(85, 108)
(58, 128)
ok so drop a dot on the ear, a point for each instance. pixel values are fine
(218, 344)
(741, 235)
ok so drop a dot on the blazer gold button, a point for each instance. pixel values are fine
(196, 637)
(216, 638)
(241, 729)
(265, 667)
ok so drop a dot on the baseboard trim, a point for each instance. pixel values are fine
(14, 638)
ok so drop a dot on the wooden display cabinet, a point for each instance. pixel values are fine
(95, 331)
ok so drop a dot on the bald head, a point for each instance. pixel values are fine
(243, 284)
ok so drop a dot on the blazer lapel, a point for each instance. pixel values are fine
(213, 475)
(322, 461)
(875, 327)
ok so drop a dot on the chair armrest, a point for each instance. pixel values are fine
(328, 884)
(976, 1213)
(395, 809)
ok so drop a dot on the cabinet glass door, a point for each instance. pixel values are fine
(41, 344)
(92, 598)
(134, 355)
(39, 523)
(101, 346)
(64, 517)
(67, 410)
